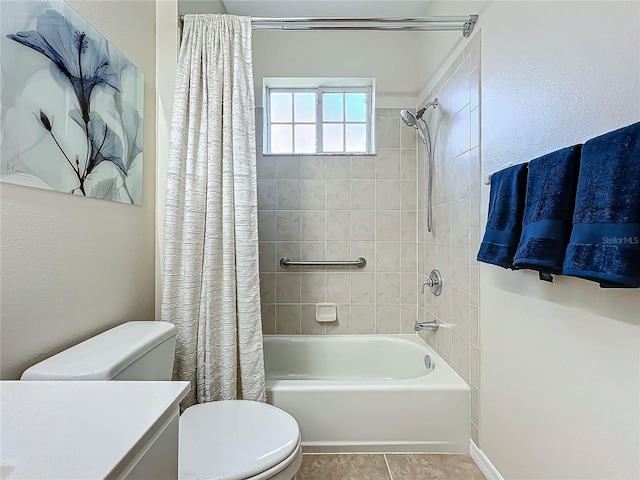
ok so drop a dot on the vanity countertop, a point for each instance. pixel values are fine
(80, 429)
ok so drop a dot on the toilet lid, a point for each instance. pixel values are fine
(234, 439)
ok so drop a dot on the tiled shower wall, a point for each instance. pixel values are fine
(341, 208)
(453, 244)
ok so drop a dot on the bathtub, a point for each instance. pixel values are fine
(368, 393)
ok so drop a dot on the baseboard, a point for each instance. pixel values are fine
(484, 464)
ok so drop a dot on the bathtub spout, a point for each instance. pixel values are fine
(431, 326)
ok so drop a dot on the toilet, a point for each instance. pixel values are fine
(225, 440)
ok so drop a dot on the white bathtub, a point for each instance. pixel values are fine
(368, 393)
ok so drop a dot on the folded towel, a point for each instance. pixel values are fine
(548, 210)
(605, 240)
(504, 223)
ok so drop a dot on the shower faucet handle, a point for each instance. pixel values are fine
(434, 282)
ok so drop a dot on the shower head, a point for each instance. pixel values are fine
(409, 119)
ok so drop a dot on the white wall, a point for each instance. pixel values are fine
(72, 267)
(389, 57)
(560, 365)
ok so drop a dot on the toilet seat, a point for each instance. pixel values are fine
(237, 440)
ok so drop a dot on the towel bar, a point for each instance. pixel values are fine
(360, 262)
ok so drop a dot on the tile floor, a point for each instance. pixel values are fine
(388, 466)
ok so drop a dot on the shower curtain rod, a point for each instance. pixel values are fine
(463, 23)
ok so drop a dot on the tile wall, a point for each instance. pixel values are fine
(341, 208)
(452, 245)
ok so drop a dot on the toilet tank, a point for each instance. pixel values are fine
(131, 351)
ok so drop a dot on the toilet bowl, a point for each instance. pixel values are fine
(225, 440)
(238, 440)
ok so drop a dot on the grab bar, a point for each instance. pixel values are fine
(360, 262)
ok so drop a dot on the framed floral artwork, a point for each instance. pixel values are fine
(71, 105)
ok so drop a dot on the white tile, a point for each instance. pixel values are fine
(287, 194)
(363, 319)
(338, 194)
(338, 287)
(388, 319)
(408, 164)
(388, 256)
(288, 225)
(338, 225)
(363, 288)
(460, 355)
(314, 167)
(338, 250)
(363, 225)
(460, 311)
(461, 132)
(268, 287)
(363, 167)
(460, 222)
(409, 288)
(312, 287)
(267, 252)
(266, 225)
(388, 288)
(363, 194)
(313, 194)
(268, 317)
(408, 318)
(288, 319)
(388, 132)
(308, 323)
(288, 167)
(408, 226)
(408, 195)
(266, 194)
(441, 185)
(387, 225)
(460, 267)
(338, 166)
(388, 163)
(287, 287)
(313, 225)
(459, 177)
(388, 194)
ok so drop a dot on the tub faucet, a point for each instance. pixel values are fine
(431, 326)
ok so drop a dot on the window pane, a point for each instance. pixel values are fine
(305, 138)
(332, 137)
(356, 104)
(305, 107)
(332, 107)
(281, 139)
(281, 107)
(356, 137)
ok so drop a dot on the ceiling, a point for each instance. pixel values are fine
(327, 8)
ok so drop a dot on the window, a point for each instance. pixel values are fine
(322, 120)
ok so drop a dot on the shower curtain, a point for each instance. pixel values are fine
(211, 288)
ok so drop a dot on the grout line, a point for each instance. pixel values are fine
(388, 468)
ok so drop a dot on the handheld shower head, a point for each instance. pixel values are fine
(409, 119)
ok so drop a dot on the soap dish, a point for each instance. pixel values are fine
(326, 312)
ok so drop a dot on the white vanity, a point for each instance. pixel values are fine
(90, 430)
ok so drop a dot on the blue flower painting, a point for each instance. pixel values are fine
(71, 105)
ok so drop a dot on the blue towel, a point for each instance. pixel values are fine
(605, 241)
(504, 223)
(548, 210)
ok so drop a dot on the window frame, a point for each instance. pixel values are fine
(319, 91)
